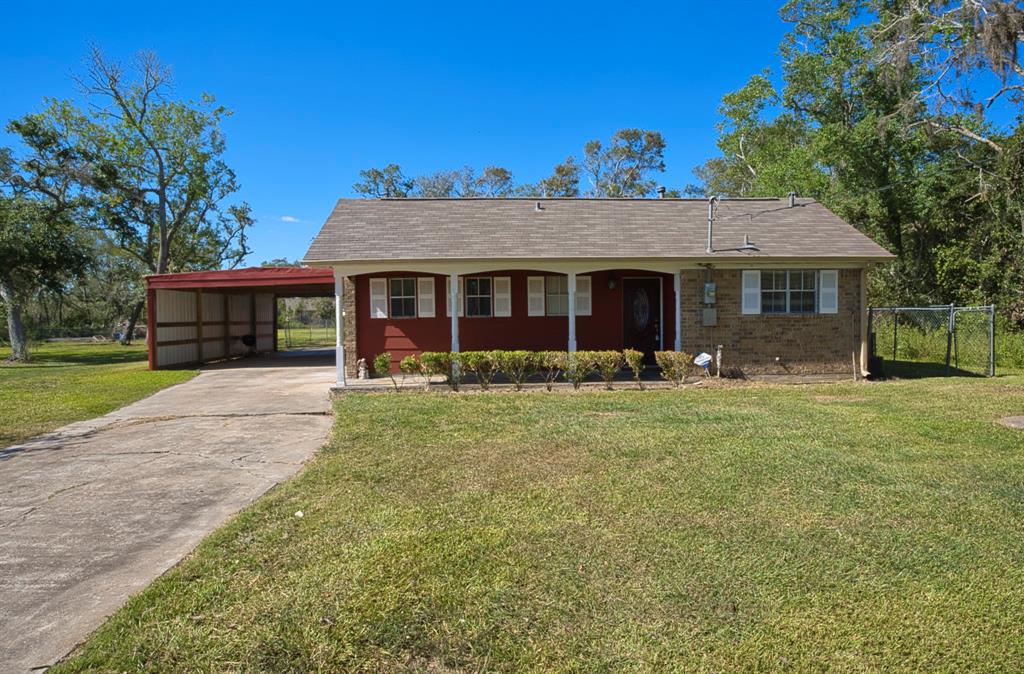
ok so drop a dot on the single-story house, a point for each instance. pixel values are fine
(780, 284)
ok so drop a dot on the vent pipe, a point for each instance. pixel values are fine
(792, 199)
(712, 202)
(661, 192)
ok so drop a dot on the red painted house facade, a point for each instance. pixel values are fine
(779, 284)
(498, 314)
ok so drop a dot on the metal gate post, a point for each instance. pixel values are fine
(949, 338)
(895, 324)
(992, 340)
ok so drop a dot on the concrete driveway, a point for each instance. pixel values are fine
(93, 512)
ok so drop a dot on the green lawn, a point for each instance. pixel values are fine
(71, 382)
(304, 337)
(847, 527)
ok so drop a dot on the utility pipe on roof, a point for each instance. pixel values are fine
(712, 202)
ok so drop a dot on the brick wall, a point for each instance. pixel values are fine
(351, 318)
(773, 344)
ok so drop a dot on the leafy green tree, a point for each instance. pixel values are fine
(39, 248)
(386, 183)
(144, 170)
(623, 167)
(564, 180)
(881, 117)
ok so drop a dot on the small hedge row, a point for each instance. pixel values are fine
(519, 366)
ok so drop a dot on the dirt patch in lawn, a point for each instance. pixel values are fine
(1013, 422)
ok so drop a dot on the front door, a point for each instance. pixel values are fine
(641, 316)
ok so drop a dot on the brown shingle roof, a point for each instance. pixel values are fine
(426, 229)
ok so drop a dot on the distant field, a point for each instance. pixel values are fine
(71, 382)
(852, 527)
(305, 337)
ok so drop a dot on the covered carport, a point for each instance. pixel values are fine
(198, 317)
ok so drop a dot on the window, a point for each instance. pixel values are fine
(403, 298)
(556, 295)
(789, 292)
(478, 296)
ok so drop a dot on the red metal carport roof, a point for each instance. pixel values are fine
(279, 280)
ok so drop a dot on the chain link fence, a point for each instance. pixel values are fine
(933, 341)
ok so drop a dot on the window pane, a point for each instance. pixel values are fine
(485, 306)
(557, 291)
(773, 302)
(773, 280)
(403, 297)
(801, 280)
(472, 285)
(802, 302)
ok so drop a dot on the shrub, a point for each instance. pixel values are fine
(635, 361)
(411, 366)
(551, 365)
(442, 363)
(578, 366)
(382, 366)
(517, 366)
(608, 364)
(483, 364)
(674, 365)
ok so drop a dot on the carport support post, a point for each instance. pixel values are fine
(677, 287)
(572, 311)
(339, 330)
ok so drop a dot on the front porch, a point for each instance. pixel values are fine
(408, 311)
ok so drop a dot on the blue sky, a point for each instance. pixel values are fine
(319, 93)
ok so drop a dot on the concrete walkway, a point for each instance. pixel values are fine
(92, 513)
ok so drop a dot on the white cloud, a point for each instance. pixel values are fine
(289, 218)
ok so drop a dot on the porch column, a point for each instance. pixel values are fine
(339, 330)
(453, 304)
(677, 286)
(572, 311)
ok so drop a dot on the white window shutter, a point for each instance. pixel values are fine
(535, 296)
(502, 296)
(828, 295)
(425, 297)
(583, 295)
(378, 298)
(448, 296)
(751, 291)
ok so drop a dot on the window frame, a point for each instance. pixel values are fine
(414, 297)
(489, 296)
(770, 296)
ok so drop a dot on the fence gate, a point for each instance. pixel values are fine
(938, 340)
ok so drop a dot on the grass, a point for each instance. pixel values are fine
(850, 527)
(305, 336)
(66, 382)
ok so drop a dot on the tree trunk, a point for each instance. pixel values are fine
(19, 342)
(129, 331)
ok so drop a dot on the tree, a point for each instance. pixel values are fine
(144, 170)
(564, 180)
(494, 181)
(385, 183)
(39, 248)
(876, 118)
(623, 167)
